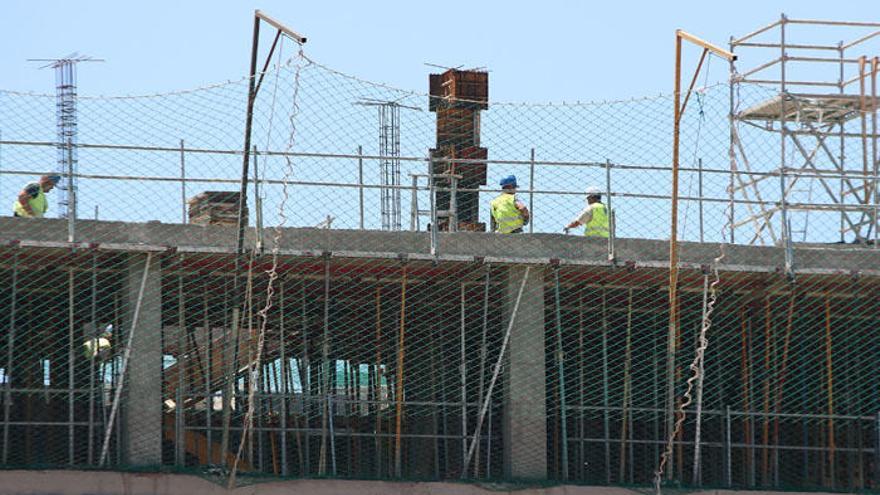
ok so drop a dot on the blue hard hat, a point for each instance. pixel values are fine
(510, 180)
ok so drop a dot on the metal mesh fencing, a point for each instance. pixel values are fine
(367, 328)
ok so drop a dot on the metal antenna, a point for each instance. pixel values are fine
(389, 161)
(66, 122)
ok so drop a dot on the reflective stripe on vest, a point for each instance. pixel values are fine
(39, 205)
(507, 216)
(598, 224)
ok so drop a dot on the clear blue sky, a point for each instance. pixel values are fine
(550, 50)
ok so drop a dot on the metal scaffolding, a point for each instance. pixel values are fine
(818, 101)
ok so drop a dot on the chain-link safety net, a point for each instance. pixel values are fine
(369, 324)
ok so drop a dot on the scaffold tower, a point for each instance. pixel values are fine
(806, 149)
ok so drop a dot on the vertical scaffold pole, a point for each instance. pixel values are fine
(182, 183)
(531, 190)
(360, 151)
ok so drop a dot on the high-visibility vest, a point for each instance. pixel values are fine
(39, 205)
(598, 224)
(507, 216)
(92, 348)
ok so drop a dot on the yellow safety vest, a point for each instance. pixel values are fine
(598, 224)
(92, 348)
(39, 205)
(507, 216)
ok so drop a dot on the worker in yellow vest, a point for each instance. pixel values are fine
(100, 346)
(508, 214)
(31, 200)
(595, 216)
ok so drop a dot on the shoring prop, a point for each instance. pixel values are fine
(627, 389)
(401, 340)
(560, 362)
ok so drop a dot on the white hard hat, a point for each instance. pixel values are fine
(593, 191)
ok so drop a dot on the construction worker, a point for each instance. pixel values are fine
(595, 216)
(99, 347)
(31, 200)
(508, 215)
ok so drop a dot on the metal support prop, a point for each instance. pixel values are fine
(360, 152)
(560, 362)
(728, 454)
(463, 371)
(483, 337)
(93, 313)
(611, 223)
(125, 357)
(398, 378)
(495, 373)
(71, 355)
(10, 346)
(179, 424)
(606, 427)
(877, 446)
(532, 189)
(698, 401)
(285, 382)
(182, 183)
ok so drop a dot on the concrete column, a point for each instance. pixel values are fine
(525, 415)
(142, 421)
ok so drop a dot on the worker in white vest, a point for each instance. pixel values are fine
(595, 217)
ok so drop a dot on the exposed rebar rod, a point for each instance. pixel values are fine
(125, 357)
(495, 373)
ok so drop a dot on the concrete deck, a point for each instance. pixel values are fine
(532, 248)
